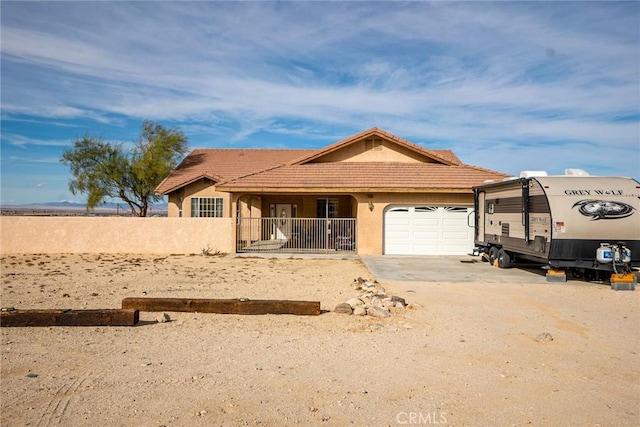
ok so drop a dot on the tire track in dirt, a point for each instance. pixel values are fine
(61, 400)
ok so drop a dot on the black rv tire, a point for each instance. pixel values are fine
(493, 255)
(504, 259)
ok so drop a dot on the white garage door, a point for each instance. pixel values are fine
(427, 230)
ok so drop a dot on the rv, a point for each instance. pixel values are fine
(576, 223)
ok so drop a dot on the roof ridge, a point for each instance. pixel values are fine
(418, 146)
(336, 145)
(346, 141)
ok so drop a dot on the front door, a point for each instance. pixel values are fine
(283, 221)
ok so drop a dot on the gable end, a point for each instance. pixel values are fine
(376, 145)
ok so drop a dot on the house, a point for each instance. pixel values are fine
(372, 193)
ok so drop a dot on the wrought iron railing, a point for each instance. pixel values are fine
(296, 235)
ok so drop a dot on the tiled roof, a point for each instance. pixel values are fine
(298, 170)
(224, 164)
(365, 176)
(448, 155)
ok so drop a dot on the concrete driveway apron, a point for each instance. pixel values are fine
(448, 269)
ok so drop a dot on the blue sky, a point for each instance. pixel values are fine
(506, 86)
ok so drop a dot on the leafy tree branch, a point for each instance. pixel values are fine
(103, 169)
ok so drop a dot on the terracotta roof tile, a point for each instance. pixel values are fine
(225, 164)
(448, 155)
(382, 176)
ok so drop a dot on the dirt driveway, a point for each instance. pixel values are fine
(467, 353)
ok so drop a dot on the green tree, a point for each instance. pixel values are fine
(103, 169)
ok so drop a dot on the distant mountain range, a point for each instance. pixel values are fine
(65, 206)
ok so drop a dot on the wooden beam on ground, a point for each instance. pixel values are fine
(224, 306)
(57, 317)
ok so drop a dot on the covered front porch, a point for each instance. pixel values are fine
(296, 223)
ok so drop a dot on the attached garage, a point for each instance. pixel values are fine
(427, 230)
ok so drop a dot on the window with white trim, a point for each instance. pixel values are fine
(206, 207)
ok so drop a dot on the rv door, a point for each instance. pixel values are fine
(480, 215)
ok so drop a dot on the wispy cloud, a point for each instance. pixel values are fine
(23, 141)
(24, 159)
(462, 74)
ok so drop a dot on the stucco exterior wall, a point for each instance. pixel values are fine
(385, 152)
(201, 188)
(115, 235)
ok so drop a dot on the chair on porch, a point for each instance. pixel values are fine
(344, 240)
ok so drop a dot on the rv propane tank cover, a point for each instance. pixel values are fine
(621, 253)
(604, 254)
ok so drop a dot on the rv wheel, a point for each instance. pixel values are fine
(504, 260)
(493, 255)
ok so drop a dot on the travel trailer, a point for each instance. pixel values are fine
(576, 223)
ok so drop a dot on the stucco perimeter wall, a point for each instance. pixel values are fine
(115, 235)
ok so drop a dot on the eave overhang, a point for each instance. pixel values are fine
(342, 190)
(214, 178)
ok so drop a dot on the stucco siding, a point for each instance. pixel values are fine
(385, 152)
(115, 235)
(201, 188)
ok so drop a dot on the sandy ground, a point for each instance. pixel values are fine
(468, 355)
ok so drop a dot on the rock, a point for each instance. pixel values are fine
(343, 308)
(376, 302)
(399, 305)
(387, 303)
(399, 299)
(354, 302)
(163, 318)
(360, 310)
(544, 337)
(359, 283)
(32, 375)
(378, 312)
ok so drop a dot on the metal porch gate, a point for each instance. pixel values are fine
(296, 235)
